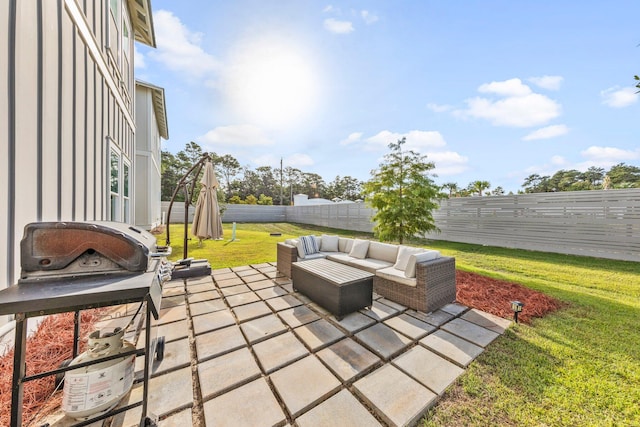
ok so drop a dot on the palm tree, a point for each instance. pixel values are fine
(452, 187)
(479, 186)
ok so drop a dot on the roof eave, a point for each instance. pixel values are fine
(142, 21)
(159, 107)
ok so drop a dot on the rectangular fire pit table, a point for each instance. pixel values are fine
(339, 288)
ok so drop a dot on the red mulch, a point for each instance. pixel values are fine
(494, 296)
(54, 338)
(54, 343)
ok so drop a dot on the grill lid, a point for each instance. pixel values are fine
(72, 248)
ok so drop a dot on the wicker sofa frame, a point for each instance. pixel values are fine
(435, 281)
(435, 286)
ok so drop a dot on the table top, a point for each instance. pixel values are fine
(332, 271)
(78, 293)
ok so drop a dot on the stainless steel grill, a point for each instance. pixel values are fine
(72, 266)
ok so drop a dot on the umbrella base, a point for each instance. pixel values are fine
(197, 268)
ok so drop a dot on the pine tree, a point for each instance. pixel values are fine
(403, 194)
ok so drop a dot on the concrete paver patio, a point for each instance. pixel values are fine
(243, 349)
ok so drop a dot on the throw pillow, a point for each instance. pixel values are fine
(404, 252)
(410, 271)
(307, 245)
(359, 249)
(329, 243)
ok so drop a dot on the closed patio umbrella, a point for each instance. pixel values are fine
(207, 223)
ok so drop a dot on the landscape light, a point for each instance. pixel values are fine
(516, 306)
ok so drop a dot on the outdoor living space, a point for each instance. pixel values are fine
(243, 335)
(243, 332)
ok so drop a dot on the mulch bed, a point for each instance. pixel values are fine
(54, 338)
(51, 345)
(494, 296)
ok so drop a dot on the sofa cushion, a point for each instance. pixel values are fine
(312, 256)
(345, 244)
(428, 255)
(369, 264)
(404, 252)
(291, 242)
(329, 243)
(383, 251)
(359, 249)
(395, 275)
(307, 245)
(339, 257)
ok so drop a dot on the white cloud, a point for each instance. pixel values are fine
(511, 87)
(338, 27)
(517, 111)
(235, 136)
(517, 107)
(368, 17)
(547, 82)
(330, 8)
(617, 97)
(558, 160)
(352, 138)
(138, 59)
(610, 154)
(448, 162)
(439, 108)
(299, 160)
(179, 48)
(417, 140)
(547, 133)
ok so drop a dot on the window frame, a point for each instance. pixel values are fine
(120, 196)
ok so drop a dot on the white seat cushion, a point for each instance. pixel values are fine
(359, 249)
(329, 243)
(395, 275)
(339, 257)
(369, 264)
(404, 252)
(428, 255)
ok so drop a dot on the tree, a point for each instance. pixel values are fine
(624, 176)
(498, 191)
(403, 194)
(347, 188)
(228, 167)
(479, 186)
(265, 200)
(314, 185)
(594, 176)
(452, 187)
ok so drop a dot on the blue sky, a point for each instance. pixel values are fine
(488, 90)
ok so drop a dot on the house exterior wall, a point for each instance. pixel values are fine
(148, 161)
(66, 106)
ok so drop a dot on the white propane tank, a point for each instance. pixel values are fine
(95, 389)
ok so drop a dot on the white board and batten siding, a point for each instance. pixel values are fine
(62, 111)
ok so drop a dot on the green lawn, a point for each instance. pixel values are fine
(577, 366)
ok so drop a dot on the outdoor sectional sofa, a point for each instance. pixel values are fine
(415, 277)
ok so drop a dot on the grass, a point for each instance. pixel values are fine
(577, 366)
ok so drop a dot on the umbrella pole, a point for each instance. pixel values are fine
(186, 219)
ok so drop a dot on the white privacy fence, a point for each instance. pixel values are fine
(345, 216)
(602, 224)
(595, 223)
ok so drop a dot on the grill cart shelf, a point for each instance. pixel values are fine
(70, 286)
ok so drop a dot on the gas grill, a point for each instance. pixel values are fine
(73, 266)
